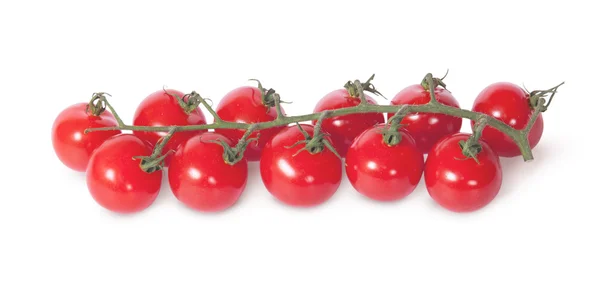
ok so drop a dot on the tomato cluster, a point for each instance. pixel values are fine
(300, 164)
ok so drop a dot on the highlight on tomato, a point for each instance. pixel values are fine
(201, 177)
(458, 182)
(384, 164)
(298, 169)
(71, 144)
(115, 179)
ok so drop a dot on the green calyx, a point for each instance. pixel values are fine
(270, 98)
(233, 155)
(356, 89)
(434, 82)
(189, 102)
(537, 98)
(156, 161)
(97, 104)
(317, 143)
(471, 147)
(151, 164)
(391, 133)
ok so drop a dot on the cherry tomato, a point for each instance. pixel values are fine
(460, 184)
(71, 145)
(299, 178)
(510, 104)
(344, 129)
(383, 172)
(427, 128)
(116, 180)
(162, 109)
(245, 105)
(200, 178)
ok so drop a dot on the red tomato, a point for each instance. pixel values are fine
(200, 178)
(383, 172)
(460, 184)
(71, 145)
(116, 180)
(344, 129)
(509, 103)
(304, 179)
(162, 109)
(427, 128)
(244, 105)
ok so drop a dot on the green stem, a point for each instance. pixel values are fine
(534, 116)
(368, 108)
(430, 83)
(155, 161)
(391, 134)
(319, 123)
(471, 147)
(112, 110)
(165, 139)
(277, 100)
(208, 107)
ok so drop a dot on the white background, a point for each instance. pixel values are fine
(541, 227)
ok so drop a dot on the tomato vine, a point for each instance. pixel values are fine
(470, 146)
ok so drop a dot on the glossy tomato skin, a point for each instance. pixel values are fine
(303, 180)
(510, 104)
(162, 109)
(71, 145)
(459, 184)
(344, 129)
(244, 105)
(383, 172)
(200, 178)
(427, 128)
(115, 179)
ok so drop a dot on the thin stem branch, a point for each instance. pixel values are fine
(395, 120)
(431, 85)
(209, 108)
(163, 141)
(471, 148)
(277, 100)
(534, 116)
(391, 134)
(112, 110)
(361, 93)
(479, 126)
(319, 123)
(248, 133)
(155, 161)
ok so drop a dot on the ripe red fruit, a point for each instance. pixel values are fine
(510, 104)
(458, 183)
(73, 147)
(161, 108)
(427, 128)
(200, 178)
(299, 178)
(116, 180)
(383, 172)
(245, 105)
(344, 129)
